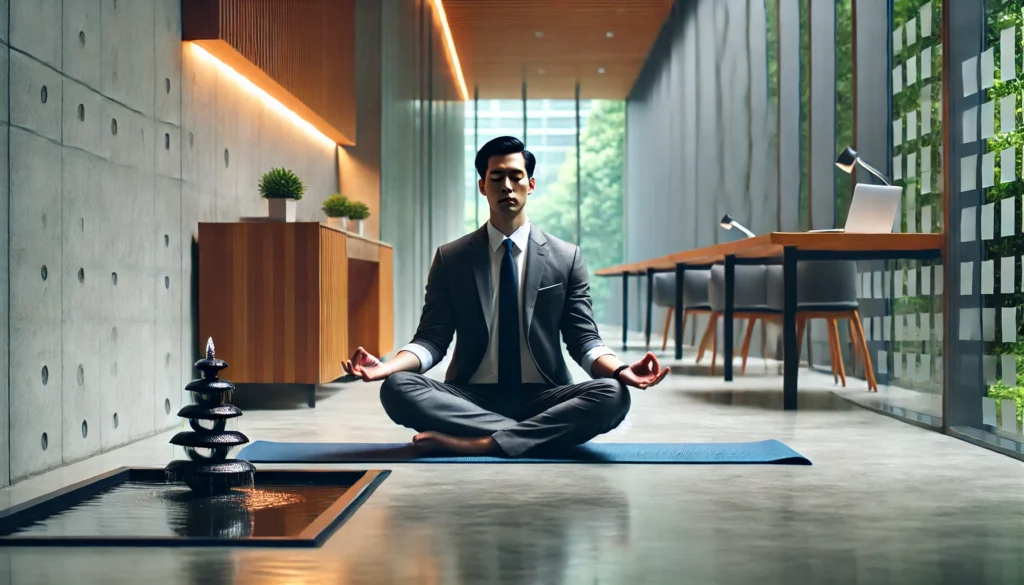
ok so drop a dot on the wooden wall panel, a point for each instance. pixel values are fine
(364, 306)
(334, 310)
(259, 298)
(386, 302)
(306, 46)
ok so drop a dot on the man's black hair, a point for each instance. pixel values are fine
(501, 146)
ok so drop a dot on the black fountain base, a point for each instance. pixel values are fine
(132, 507)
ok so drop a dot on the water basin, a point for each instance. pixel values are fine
(137, 507)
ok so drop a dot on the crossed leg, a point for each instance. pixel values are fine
(469, 421)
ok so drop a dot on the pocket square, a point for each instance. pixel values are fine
(557, 284)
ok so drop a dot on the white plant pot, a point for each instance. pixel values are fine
(336, 222)
(361, 226)
(281, 209)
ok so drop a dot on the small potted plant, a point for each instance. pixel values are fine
(357, 212)
(336, 209)
(282, 189)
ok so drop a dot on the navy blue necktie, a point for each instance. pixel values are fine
(509, 366)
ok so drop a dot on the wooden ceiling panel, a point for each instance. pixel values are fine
(552, 44)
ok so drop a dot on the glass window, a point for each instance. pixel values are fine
(844, 105)
(602, 146)
(985, 168)
(553, 204)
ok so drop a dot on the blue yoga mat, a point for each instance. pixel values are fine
(765, 452)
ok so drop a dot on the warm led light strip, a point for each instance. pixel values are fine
(268, 99)
(451, 49)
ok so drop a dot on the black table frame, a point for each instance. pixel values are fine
(791, 255)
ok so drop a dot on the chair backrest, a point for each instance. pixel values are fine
(827, 283)
(750, 287)
(695, 288)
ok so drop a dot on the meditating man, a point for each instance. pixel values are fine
(505, 292)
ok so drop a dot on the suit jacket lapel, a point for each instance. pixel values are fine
(480, 258)
(536, 264)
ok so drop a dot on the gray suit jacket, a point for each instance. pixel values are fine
(556, 299)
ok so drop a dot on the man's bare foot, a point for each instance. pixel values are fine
(432, 443)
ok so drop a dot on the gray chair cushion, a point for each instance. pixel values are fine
(750, 292)
(821, 285)
(695, 289)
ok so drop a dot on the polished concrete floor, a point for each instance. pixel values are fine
(884, 502)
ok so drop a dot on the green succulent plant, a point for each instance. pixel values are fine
(358, 210)
(336, 205)
(281, 184)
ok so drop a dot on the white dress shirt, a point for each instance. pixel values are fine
(487, 373)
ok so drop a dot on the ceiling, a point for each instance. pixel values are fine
(552, 44)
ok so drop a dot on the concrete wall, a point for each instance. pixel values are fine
(139, 138)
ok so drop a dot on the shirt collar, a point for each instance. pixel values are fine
(518, 237)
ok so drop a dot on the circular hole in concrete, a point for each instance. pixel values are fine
(167, 282)
(44, 220)
(167, 405)
(113, 334)
(226, 157)
(81, 224)
(113, 126)
(46, 375)
(81, 275)
(85, 429)
(81, 112)
(81, 37)
(81, 375)
(167, 359)
(44, 442)
(167, 141)
(43, 272)
(113, 278)
(116, 422)
(167, 241)
(191, 140)
(43, 94)
(167, 85)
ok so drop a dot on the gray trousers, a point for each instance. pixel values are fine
(532, 419)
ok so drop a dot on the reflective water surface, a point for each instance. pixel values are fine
(140, 509)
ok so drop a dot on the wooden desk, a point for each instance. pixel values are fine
(790, 248)
(286, 303)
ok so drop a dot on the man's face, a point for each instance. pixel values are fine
(506, 184)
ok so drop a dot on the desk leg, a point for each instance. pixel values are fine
(730, 298)
(678, 326)
(650, 305)
(791, 354)
(625, 310)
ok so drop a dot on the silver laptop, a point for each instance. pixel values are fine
(872, 211)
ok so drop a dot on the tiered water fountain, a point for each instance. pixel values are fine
(213, 473)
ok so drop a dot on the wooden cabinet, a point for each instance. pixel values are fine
(287, 303)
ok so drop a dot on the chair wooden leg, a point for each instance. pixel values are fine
(668, 323)
(707, 335)
(745, 349)
(858, 330)
(714, 343)
(832, 352)
(834, 328)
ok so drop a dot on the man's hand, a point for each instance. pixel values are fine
(646, 372)
(366, 366)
